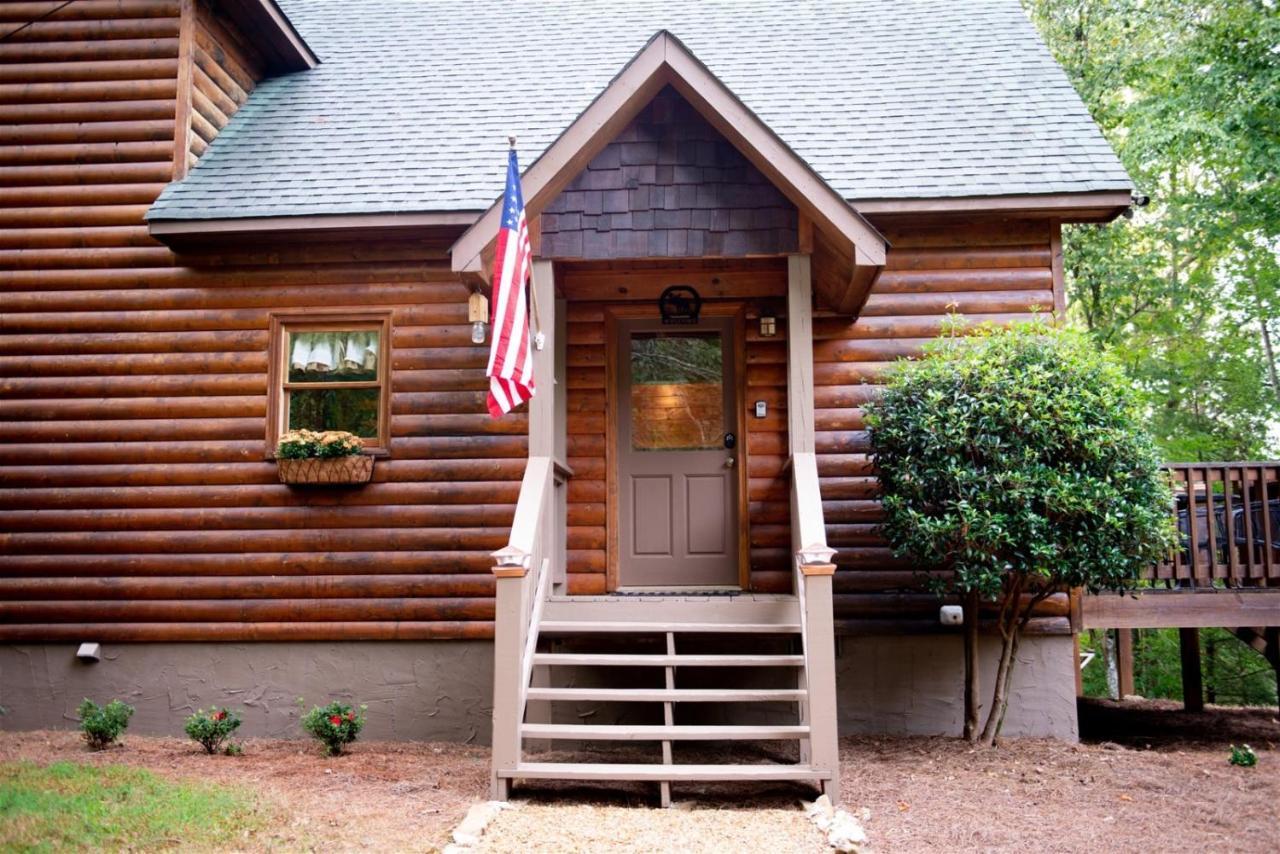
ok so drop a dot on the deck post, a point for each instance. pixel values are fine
(1192, 682)
(508, 646)
(542, 408)
(1124, 661)
(800, 438)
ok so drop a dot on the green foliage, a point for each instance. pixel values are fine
(102, 725)
(70, 807)
(308, 444)
(210, 729)
(1233, 673)
(1243, 756)
(1188, 92)
(336, 725)
(1019, 452)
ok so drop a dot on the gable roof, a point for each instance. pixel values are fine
(665, 61)
(411, 106)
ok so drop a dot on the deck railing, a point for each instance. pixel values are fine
(526, 569)
(813, 575)
(1228, 517)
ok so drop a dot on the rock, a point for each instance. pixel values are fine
(846, 833)
(467, 833)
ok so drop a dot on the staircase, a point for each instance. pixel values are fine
(664, 683)
(677, 671)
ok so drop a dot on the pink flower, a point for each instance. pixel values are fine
(220, 715)
(336, 720)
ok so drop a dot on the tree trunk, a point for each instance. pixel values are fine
(1109, 659)
(972, 684)
(1008, 622)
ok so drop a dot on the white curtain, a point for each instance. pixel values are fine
(334, 351)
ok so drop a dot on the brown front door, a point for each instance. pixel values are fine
(677, 481)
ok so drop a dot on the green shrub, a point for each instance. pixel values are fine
(212, 728)
(336, 725)
(1016, 460)
(1243, 756)
(102, 725)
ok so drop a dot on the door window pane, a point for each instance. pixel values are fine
(677, 392)
(352, 409)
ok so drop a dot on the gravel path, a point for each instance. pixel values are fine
(687, 829)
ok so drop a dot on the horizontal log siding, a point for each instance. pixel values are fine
(135, 500)
(225, 69)
(996, 271)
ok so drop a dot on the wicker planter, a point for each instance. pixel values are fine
(318, 472)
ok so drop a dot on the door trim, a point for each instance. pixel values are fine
(613, 313)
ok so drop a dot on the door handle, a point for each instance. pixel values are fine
(728, 462)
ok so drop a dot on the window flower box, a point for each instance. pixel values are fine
(306, 457)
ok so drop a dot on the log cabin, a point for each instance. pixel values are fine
(675, 541)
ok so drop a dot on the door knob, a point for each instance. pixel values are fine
(728, 462)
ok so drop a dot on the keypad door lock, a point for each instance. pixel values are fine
(730, 441)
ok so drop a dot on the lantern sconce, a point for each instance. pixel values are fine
(768, 324)
(478, 316)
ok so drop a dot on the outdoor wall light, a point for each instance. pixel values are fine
(89, 653)
(478, 316)
(768, 325)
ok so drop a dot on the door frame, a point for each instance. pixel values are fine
(613, 314)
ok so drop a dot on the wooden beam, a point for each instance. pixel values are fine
(1192, 681)
(1183, 609)
(186, 67)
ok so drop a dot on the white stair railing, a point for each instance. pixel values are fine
(525, 570)
(813, 575)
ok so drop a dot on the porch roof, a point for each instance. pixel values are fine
(411, 107)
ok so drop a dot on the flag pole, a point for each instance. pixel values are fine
(533, 292)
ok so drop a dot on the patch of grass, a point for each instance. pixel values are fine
(70, 806)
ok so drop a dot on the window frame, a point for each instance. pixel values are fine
(281, 324)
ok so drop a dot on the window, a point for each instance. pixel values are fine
(329, 372)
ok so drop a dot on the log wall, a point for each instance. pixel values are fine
(136, 502)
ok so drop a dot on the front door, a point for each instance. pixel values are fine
(677, 452)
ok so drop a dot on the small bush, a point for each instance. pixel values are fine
(102, 725)
(336, 724)
(212, 728)
(1243, 756)
(309, 444)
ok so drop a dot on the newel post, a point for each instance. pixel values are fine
(512, 566)
(816, 571)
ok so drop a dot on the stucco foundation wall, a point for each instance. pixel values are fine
(425, 690)
(914, 685)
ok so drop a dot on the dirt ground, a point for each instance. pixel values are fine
(1146, 777)
(385, 796)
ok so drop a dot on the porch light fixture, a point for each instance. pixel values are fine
(768, 325)
(478, 316)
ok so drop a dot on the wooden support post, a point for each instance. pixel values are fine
(820, 643)
(1192, 683)
(508, 648)
(1272, 635)
(1124, 660)
(542, 408)
(800, 438)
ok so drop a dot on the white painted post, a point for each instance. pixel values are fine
(508, 647)
(542, 408)
(821, 653)
(800, 423)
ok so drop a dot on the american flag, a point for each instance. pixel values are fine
(510, 369)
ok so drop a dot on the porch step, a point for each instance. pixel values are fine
(564, 627)
(657, 773)
(596, 732)
(612, 660)
(670, 695)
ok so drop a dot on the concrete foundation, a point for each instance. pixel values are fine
(442, 690)
(914, 685)
(434, 690)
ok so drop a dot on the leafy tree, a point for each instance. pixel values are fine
(1016, 460)
(1188, 92)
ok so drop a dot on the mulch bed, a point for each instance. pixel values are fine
(1146, 777)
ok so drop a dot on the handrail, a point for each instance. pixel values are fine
(813, 576)
(531, 563)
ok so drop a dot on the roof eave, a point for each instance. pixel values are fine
(281, 44)
(1089, 206)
